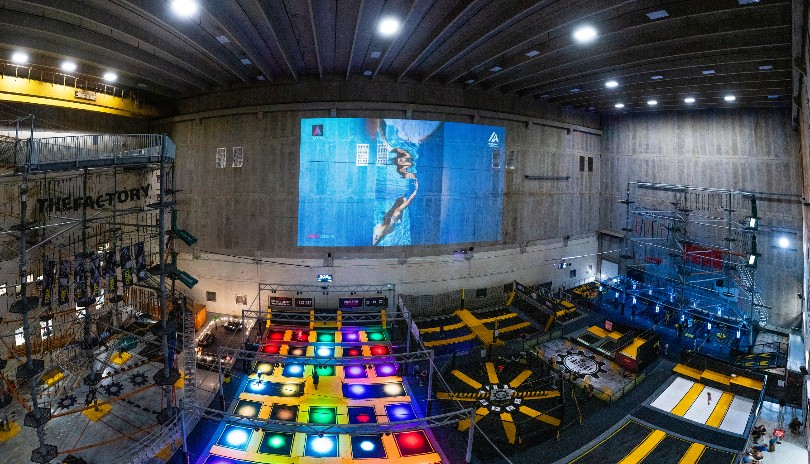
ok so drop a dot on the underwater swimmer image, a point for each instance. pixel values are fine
(403, 161)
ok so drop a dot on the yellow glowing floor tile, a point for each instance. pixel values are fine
(95, 414)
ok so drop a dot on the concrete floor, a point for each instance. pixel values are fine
(792, 450)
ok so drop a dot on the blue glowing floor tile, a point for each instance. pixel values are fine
(400, 412)
(235, 437)
(321, 447)
(368, 447)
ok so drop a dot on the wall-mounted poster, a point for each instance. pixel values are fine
(399, 182)
(376, 302)
(350, 302)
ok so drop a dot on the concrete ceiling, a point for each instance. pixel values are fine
(702, 48)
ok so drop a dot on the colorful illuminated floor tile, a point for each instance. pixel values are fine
(321, 446)
(375, 336)
(386, 370)
(325, 371)
(284, 412)
(362, 415)
(355, 371)
(275, 443)
(324, 352)
(300, 336)
(263, 368)
(293, 370)
(380, 350)
(247, 408)
(353, 351)
(297, 351)
(367, 447)
(258, 387)
(235, 437)
(412, 443)
(326, 337)
(276, 335)
(322, 415)
(271, 349)
(400, 412)
(358, 391)
(350, 337)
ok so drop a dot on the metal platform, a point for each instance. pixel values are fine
(85, 151)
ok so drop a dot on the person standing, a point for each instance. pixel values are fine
(315, 377)
(772, 443)
(708, 397)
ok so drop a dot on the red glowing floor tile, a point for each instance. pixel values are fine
(271, 349)
(412, 443)
(378, 350)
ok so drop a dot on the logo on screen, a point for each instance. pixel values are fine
(493, 140)
(317, 130)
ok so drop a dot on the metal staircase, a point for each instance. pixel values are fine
(189, 362)
(745, 281)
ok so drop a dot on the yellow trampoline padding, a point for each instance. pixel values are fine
(457, 325)
(598, 331)
(643, 449)
(631, 351)
(687, 400)
(687, 371)
(466, 379)
(720, 410)
(716, 376)
(746, 382)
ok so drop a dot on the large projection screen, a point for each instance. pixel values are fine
(399, 182)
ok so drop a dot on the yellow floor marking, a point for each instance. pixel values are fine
(520, 378)
(643, 449)
(542, 417)
(720, 410)
(464, 424)
(509, 427)
(466, 379)
(687, 400)
(450, 341)
(491, 374)
(693, 454)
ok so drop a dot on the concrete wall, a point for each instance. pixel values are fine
(752, 150)
(228, 276)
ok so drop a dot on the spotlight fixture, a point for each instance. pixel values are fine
(388, 27)
(652, 102)
(729, 98)
(19, 58)
(585, 34)
(689, 100)
(611, 84)
(68, 66)
(110, 76)
(184, 8)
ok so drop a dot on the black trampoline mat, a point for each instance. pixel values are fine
(715, 456)
(616, 446)
(669, 451)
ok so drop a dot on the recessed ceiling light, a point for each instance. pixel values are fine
(110, 76)
(574, 90)
(766, 67)
(689, 100)
(619, 105)
(68, 66)
(184, 8)
(729, 98)
(366, 72)
(260, 78)
(653, 15)
(496, 68)
(545, 95)
(375, 55)
(222, 39)
(611, 84)
(532, 53)
(19, 58)
(470, 81)
(773, 97)
(245, 61)
(585, 34)
(591, 108)
(747, 2)
(652, 102)
(388, 27)
(707, 72)
(656, 77)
